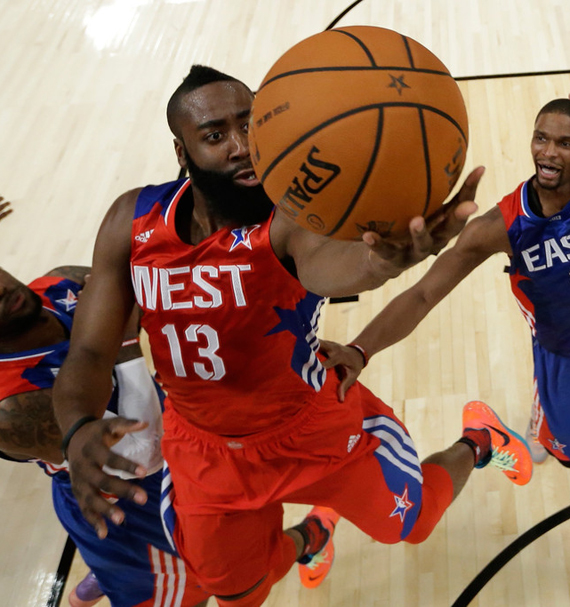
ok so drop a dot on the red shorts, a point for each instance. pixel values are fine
(355, 457)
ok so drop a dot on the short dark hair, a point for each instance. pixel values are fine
(198, 76)
(556, 106)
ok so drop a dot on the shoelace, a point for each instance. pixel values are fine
(318, 559)
(503, 460)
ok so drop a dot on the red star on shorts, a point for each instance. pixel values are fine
(557, 446)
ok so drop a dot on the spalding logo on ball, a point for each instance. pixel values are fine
(358, 128)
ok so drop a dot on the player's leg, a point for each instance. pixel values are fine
(134, 564)
(550, 418)
(241, 572)
(309, 543)
(389, 493)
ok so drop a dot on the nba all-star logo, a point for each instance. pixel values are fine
(242, 236)
(555, 445)
(70, 301)
(403, 504)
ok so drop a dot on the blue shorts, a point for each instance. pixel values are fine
(134, 564)
(551, 407)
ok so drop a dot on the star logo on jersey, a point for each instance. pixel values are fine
(242, 236)
(398, 84)
(556, 445)
(70, 301)
(300, 322)
(402, 505)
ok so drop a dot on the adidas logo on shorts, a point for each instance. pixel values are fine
(352, 440)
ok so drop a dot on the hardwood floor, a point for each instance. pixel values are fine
(82, 119)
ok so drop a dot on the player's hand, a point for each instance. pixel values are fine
(427, 237)
(346, 361)
(88, 451)
(5, 209)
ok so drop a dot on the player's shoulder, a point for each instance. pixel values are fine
(160, 196)
(76, 274)
(126, 201)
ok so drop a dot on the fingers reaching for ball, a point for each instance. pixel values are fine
(431, 236)
(5, 209)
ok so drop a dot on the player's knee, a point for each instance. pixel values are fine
(419, 534)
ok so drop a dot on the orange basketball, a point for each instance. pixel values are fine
(358, 128)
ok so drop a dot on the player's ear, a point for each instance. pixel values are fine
(180, 155)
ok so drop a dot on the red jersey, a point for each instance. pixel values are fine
(232, 333)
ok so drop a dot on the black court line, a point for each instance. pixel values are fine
(512, 75)
(61, 574)
(335, 300)
(508, 553)
(341, 15)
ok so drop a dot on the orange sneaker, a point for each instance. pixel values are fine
(318, 557)
(509, 451)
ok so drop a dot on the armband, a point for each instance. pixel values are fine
(78, 424)
(362, 351)
(130, 342)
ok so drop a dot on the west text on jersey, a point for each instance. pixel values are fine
(202, 286)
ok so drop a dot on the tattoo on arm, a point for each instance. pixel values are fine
(75, 273)
(28, 426)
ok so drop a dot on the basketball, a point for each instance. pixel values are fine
(358, 128)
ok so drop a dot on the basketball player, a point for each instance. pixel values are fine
(231, 290)
(135, 563)
(532, 226)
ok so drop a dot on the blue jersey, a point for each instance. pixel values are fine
(540, 267)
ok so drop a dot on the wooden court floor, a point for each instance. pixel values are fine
(84, 84)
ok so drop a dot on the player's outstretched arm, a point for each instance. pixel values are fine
(83, 385)
(331, 267)
(482, 237)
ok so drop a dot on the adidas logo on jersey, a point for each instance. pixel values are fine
(144, 236)
(352, 440)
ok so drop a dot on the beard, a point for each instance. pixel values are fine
(549, 185)
(25, 319)
(227, 201)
